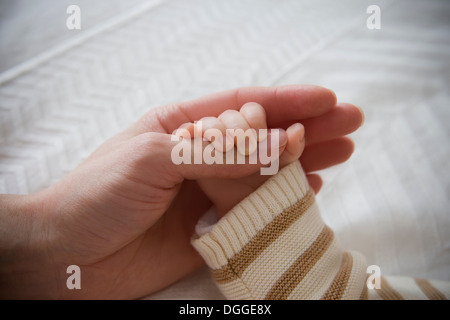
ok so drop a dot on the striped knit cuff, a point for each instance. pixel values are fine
(275, 245)
(253, 214)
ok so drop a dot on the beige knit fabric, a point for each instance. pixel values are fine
(274, 245)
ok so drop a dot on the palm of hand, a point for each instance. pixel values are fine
(126, 258)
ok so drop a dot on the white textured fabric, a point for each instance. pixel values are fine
(390, 201)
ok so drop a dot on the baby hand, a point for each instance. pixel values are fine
(250, 119)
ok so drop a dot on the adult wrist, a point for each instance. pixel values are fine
(25, 271)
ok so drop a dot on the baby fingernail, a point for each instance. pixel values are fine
(218, 143)
(262, 134)
(229, 143)
(247, 145)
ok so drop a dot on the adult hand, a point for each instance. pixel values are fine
(126, 214)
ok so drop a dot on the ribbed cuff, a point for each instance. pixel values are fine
(251, 215)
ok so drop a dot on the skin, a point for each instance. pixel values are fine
(126, 214)
(226, 193)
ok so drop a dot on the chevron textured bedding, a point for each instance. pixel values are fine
(390, 201)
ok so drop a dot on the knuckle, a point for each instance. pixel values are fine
(146, 143)
(208, 119)
(229, 113)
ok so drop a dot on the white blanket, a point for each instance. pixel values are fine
(390, 201)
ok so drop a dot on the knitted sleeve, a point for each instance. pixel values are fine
(274, 245)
